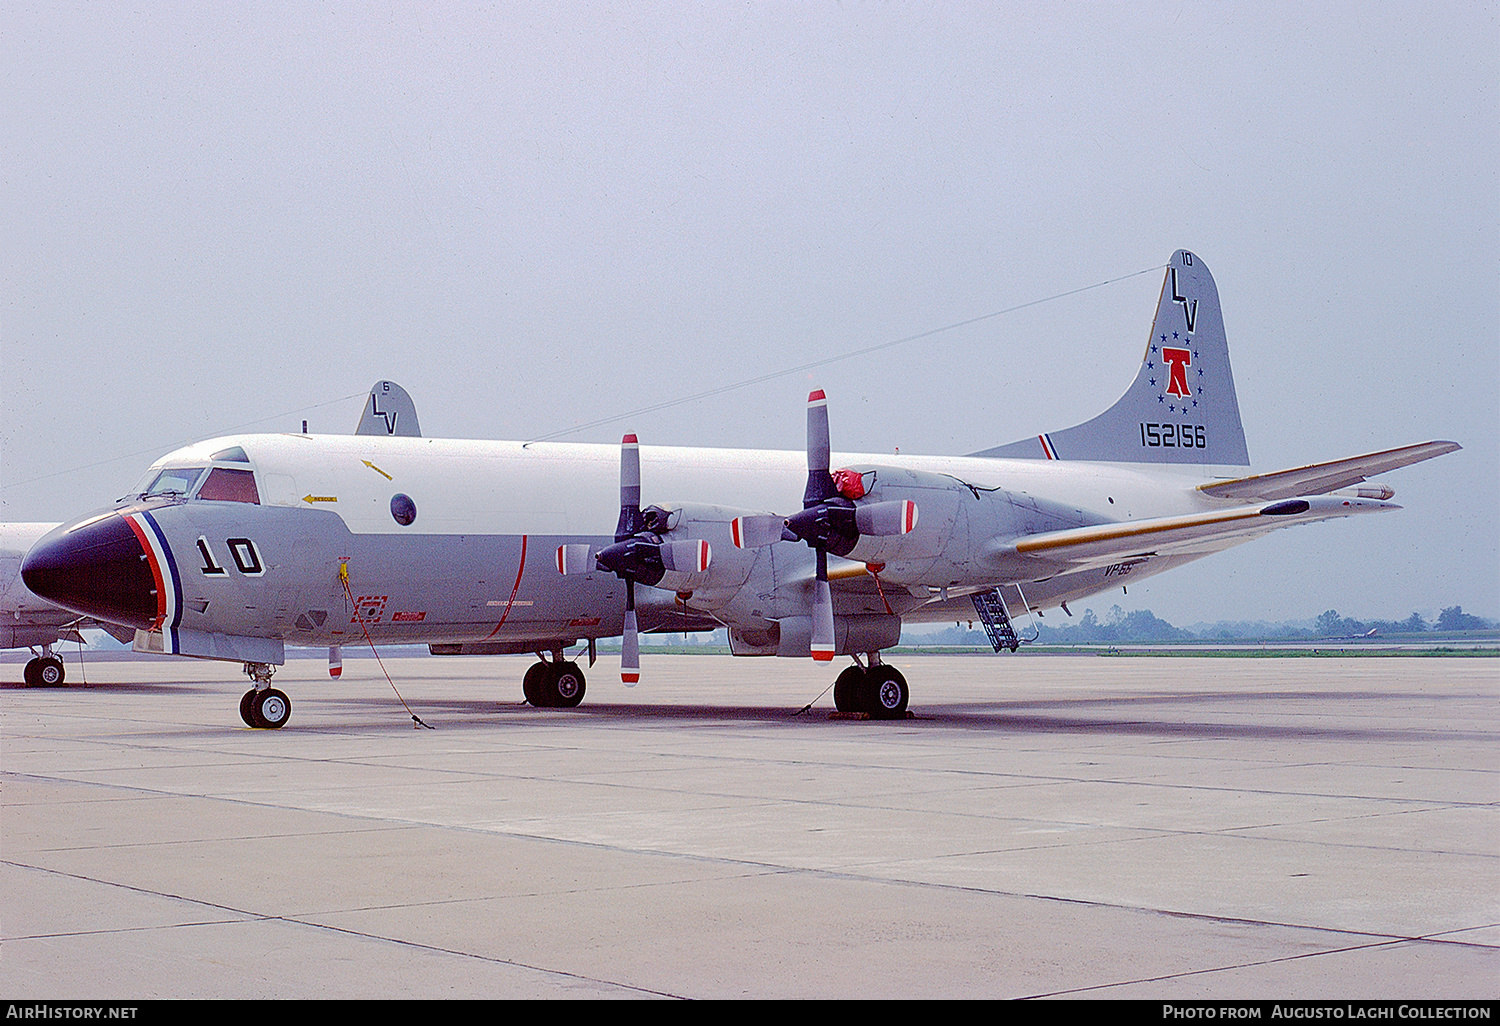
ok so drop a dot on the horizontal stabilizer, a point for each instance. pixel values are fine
(1103, 544)
(1321, 478)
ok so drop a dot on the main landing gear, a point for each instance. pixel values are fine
(554, 683)
(45, 671)
(877, 690)
(263, 706)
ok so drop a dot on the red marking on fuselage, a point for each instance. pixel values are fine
(156, 572)
(514, 588)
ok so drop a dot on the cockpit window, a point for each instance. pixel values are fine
(234, 454)
(228, 485)
(174, 481)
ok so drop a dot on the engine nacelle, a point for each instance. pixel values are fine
(698, 552)
(936, 501)
(791, 636)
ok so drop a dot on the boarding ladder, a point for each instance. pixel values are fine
(990, 606)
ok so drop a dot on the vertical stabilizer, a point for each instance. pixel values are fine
(1181, 408)
(388, 411)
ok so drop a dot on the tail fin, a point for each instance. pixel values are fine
(1181, 407)
(388, 411)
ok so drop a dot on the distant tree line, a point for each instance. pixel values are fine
(1451, 619)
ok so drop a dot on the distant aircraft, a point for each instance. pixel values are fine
(236, 547)
(29, 621)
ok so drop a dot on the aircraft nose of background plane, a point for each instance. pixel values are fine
(98, 568)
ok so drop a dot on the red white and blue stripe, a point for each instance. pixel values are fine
(164, 572)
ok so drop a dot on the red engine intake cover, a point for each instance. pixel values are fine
(850, 483)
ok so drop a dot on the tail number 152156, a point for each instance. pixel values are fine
(1174, 436)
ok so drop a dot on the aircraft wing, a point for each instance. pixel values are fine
(1321, 478)
(1105, 544)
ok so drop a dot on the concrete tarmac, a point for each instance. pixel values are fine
(1069, 826)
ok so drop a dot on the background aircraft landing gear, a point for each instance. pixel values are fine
(553, 685)
(263, 706)
(45, 671)
(879, 691)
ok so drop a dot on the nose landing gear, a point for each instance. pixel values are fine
(263, 706)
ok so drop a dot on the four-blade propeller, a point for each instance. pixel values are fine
(830, 521)
(638, 554)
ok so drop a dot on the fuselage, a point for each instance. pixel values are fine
(323, 540)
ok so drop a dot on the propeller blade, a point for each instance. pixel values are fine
(631, 523)
(756, 532)
(881, 519)
(630, 644)
(631, 520)
(815, 530)
(822, 613)
(574, 559)
(820, 484)
(691, 556)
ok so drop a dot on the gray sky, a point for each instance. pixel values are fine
(537, 216)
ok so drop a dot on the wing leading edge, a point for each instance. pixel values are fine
(1104, 544)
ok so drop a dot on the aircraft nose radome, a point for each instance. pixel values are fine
(99, 569)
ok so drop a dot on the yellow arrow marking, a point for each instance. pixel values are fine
(320, 498)
(377, 470)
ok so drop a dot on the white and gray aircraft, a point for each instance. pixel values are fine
(29, 621)
(238, 546)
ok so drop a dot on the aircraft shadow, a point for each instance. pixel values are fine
(124, 687)
(1015, 718)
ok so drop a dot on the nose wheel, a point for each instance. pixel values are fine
(266, 709)
(263, 706)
